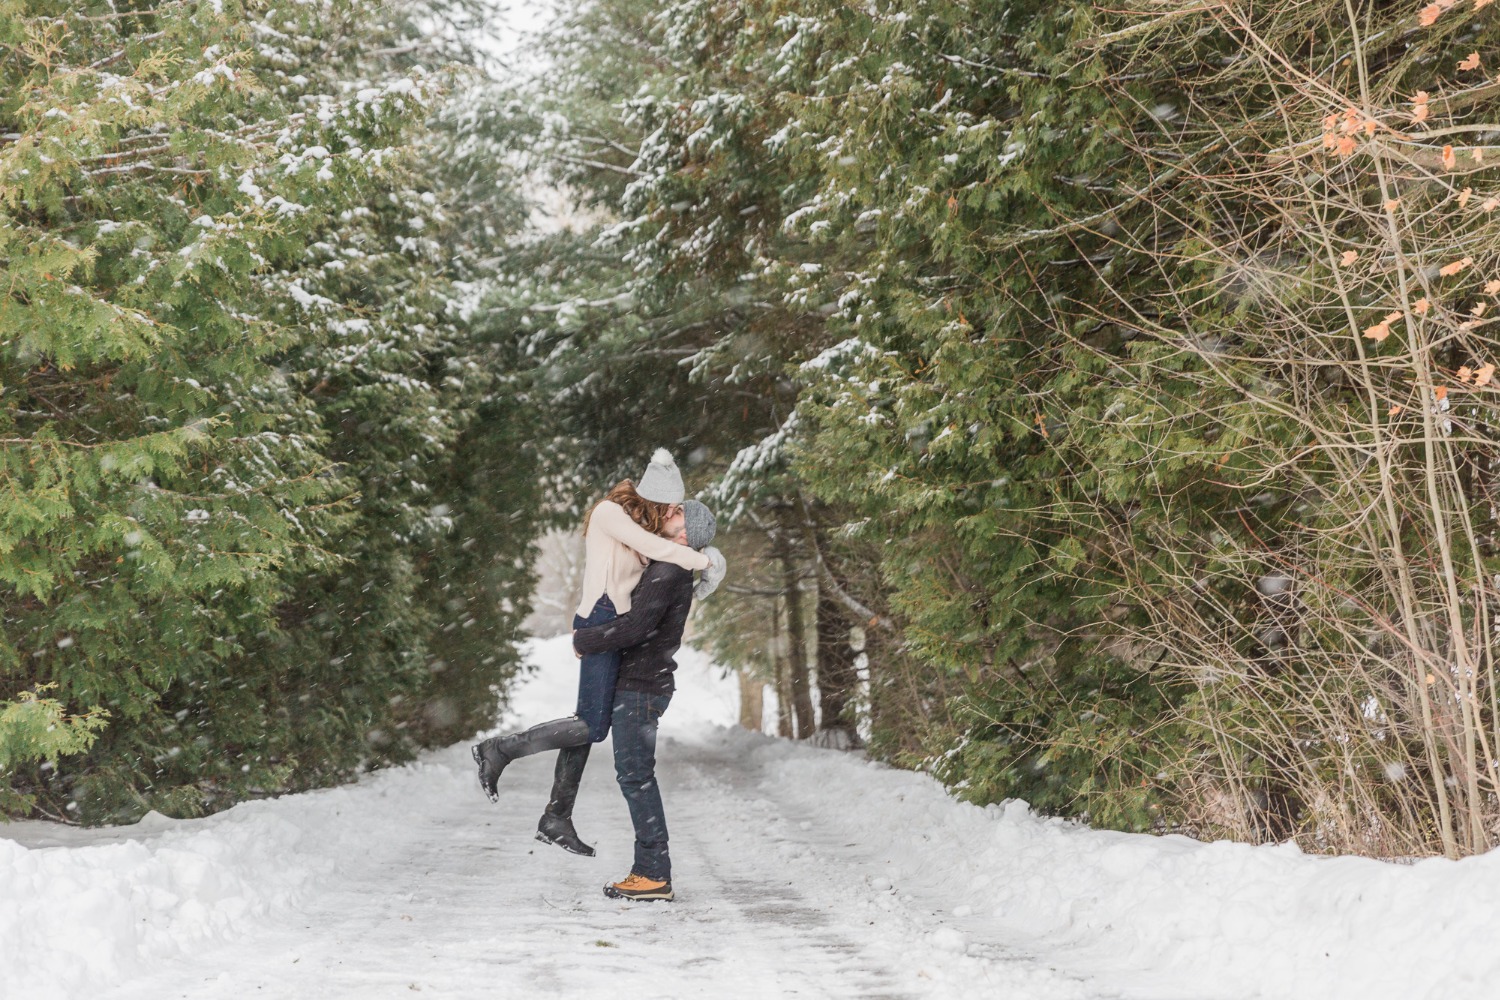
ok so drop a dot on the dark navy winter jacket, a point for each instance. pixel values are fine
(649, 633)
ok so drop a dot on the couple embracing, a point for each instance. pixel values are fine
(641, 546)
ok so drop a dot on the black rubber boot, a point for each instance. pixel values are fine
(556, 825)
(495, 753)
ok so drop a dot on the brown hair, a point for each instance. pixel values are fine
(649, 514)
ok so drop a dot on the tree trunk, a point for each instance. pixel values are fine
(837, 675)
(796, 627)
(752, 701)
(877, 682)
(784, 726)
(783, 679)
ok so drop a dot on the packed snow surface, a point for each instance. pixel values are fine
(798, 871)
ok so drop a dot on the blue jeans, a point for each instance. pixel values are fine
(635, 718)
(596, 675)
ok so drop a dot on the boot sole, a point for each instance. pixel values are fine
(665, 896)
(588, 852)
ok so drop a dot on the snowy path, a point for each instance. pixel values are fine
(800, 873)
(459, 902)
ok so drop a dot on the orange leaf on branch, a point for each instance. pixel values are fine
(1449, 270)
(1470, 61)
(1484, 374)
(1449, 160)
(1382, 330)
(1421, 306)
(1419, 108)
(1429, 14)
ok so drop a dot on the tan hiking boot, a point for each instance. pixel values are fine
(639, 887)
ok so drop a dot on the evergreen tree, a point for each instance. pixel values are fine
(659, 323)
(831, 181)
(951, 147)
(237, 364)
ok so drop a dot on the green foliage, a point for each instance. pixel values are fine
(654, 321)
(34, 728)
(239, 375)
(1045, 337)
(896, 223)
(952, 418)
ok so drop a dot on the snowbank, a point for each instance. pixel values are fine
(1152, 913)
(83, 908)
(91, 914)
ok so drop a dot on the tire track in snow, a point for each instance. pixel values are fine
(807, 951)
(906, 943)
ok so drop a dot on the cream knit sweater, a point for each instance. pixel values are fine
(615, 553)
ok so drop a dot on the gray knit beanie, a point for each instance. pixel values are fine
(700, 524)
(662, 482)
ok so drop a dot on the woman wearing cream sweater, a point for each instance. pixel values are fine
(622, 534)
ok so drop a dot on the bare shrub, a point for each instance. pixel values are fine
(1328, 231)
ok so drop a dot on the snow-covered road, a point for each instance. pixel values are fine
(448, 895)
(799, 872)
(463, 903)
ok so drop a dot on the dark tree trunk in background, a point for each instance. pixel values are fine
(784, 725)
(837, 675)
(783, 679)
(796, 627)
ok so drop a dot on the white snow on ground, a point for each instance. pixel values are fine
(799, 872)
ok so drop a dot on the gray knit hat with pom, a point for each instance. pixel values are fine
(700, 524)
(662, 483)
